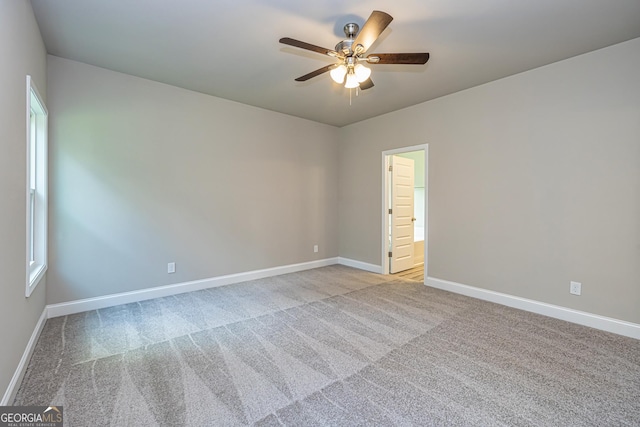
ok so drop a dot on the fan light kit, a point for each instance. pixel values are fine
(350, 52)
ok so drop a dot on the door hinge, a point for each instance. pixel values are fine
(390, 168)
(390, 211)
(390, 254)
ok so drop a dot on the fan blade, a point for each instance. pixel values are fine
(307, 46)
(315, 73)
(398, 58)
(367, 84)
(372, 29)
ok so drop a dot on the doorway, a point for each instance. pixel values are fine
(398, 229)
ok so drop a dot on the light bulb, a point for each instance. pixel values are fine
(338, 73)
(362, 72)
(352, 81)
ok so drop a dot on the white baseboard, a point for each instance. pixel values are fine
(360, 265)
(78, 306)
(596, 321)
(18, 375)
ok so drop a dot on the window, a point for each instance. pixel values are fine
(36, 257)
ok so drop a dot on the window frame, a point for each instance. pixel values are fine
(36, 187)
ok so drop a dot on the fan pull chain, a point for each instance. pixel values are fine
(357, 93)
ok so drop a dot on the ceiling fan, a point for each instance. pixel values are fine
(351, 53)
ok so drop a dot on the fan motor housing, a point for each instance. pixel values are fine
(345, 46)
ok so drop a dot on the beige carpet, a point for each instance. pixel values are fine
(330, 346)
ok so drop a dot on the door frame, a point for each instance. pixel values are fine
(385, 203)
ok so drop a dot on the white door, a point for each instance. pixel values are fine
(401, 224)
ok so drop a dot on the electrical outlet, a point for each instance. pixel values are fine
(575, 288)
(315, 248)
(171, 267)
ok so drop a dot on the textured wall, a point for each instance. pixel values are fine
(534, 181)
(144, 173)
(21, 52)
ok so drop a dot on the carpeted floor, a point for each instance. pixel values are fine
(330, 346)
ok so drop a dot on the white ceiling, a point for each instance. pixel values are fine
(230, 49)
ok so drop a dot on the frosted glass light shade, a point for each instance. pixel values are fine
(338, 73)
(352, 81)
(362, 72)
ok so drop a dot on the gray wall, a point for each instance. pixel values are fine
(534, 181)
(21, 53)
(144, 173)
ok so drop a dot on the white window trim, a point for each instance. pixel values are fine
(36, 269)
